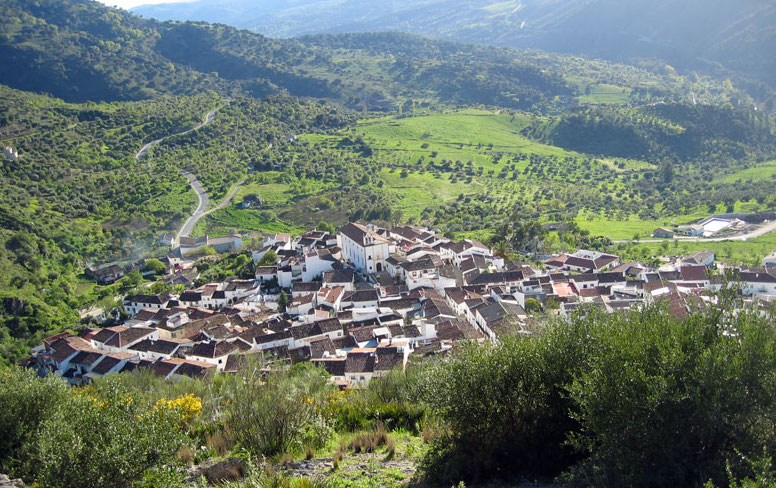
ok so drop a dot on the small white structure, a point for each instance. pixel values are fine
(10, 153)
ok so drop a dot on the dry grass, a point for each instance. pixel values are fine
(369, 441)
(218, 442)
(186, 455)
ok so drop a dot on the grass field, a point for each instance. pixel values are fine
(627, 229)
(430, 160)
(762, 171)
(418, 191)
(232, 219)
(749, 253)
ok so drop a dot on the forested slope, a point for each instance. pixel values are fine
(724, 37)
(81, 50)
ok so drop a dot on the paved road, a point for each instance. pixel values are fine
(208, 119)
(204, 201)
(764, 229)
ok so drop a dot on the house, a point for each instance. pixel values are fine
(316, 263)
(498, 316)
(345, 278)
(132, 304)
(156, 349)
(693, 230)
(757, 281)
(700, 258)
(361, 299)
(360, 367)
(335, 367)
(303, 288)
(111, 363)
(364, 248)
(227, 244)
(121, 337)
(190, 299)
(583, 261)
(212, 352)
(331, 297)
(266, 273)
(663, 233)
(106, 275)
(463, 249)
(190, 245)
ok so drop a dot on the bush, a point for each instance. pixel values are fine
(632, 399)
(91, 441)
(282, 412)
(668, 402)
(505, 407)
(61, 436)
(26, 401)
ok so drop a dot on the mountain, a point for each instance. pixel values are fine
(717, 36)
(80, 50)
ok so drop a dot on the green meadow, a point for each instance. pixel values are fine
(762, 171)
(748, 253)
(432, 161)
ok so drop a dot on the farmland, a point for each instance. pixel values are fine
(467, 170)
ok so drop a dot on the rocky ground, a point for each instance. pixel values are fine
(6, 482)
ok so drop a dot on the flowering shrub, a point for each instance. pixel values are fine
(187, 407)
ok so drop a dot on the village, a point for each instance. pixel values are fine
(367, 300)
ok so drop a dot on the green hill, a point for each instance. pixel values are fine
(719, 36)
(81, 50)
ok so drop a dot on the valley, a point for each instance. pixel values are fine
(404, 248)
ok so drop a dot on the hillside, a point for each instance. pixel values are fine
(491, 132)
(77, 196)
(719, 36)
(80, 50)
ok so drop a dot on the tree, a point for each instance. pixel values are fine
(156, 266)
(282, 301)
(270, 258)
(532, 305)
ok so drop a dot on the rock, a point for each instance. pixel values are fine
(6, 482)
(217, 471)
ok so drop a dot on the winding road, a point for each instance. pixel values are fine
(204, 201)
(208, 119)
(202, 195)
(764, 229)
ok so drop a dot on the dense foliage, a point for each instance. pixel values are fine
(727, 36)
(80, 50)
(66, 437)
(632, 399)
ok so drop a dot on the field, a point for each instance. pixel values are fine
(748, 253)
(466, 170)
(762, 171)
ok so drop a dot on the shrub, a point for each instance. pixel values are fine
(504, 407)
(282, 412)
(668, 402)
(641, 398)
(26, 401)
(91, 441)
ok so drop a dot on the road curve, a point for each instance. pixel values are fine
(204, 201)
(764, 229)
(208, 119)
